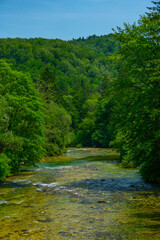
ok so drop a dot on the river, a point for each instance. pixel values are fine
(82, 195)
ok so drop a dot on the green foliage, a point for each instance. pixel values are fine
(4, 166)
(104, 44)
(21, 118)
(150, 170)
(102, 135)
(71, 79)
(87, 125)
(65, 72)
(57, 124)
(136, 95)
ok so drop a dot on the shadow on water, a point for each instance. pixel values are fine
(15, 184)
(152, 227)
(154, 216)
(126, 184)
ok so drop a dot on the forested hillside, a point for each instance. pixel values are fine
(69, 77)
(105, 45)
(94, 92)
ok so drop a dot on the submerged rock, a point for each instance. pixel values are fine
(47, 220)
(101, 201)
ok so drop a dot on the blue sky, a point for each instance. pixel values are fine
(66, 19)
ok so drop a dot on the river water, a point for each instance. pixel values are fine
(82, 195)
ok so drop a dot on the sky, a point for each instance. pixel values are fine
(66, 19)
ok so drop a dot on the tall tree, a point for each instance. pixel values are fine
(21, 119)
(57, 129)
(137, 94)
(57, 119)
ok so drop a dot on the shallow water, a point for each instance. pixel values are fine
(82, 195)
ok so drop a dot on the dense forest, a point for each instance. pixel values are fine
(95, 92)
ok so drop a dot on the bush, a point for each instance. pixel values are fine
(4, 166)
(150, 171)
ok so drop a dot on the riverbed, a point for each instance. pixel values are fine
(82, 195)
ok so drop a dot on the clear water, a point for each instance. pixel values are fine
(82, 195)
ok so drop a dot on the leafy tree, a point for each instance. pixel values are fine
(57, 119)
(4, 166)
(102, 134)
(136, 94)
(87, 125)
(57, 125)
(21, 119)
(48, 86)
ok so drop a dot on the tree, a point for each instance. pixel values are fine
(102, 135)
(137, 94)
(21, 119)
(48, 87)
(57, 129)
(87, 125)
